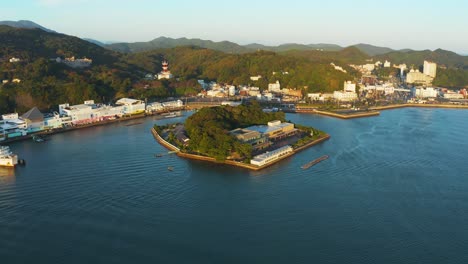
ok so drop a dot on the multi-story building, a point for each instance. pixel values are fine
(425, 92)
(415, 76)
(274, 87)
(430, 68)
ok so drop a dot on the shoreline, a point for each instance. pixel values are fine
(95, 124)
(171, 147)
(390, 107)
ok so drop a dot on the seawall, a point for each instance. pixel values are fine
(171, 147)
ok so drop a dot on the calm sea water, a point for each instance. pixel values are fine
(395, 190)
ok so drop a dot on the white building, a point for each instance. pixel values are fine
(232, 90)
(349, 87)
(368, 67)
(274, 87)
(430, 68)
(415, 76)
(425, 92)
(453, 95)
(52, 121)
(13, 60)
(165, 74)
(131, 106)
(255, 78)
(75, 63)
(387, 64)
(272, 156)
(344, 96)
(173, 104)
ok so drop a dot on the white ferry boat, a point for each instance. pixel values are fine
(7, 159)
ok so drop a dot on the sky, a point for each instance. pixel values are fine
(396, 24)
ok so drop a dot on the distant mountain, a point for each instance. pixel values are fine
(25, 24)
(416, 58)
(35, 43)
(163, 42)
(372, 50)
(345, 56)
(294, 46)
(97, 42)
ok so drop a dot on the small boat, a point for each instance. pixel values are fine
(170, 168)
(7, 158)
(38, 138)
(314, 162)
(158, 155)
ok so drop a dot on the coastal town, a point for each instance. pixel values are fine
(357, 99)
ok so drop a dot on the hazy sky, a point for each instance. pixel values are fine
(397, 24)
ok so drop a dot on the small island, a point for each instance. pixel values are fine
(243, 136)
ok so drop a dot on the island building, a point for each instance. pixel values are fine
(254, 138)
(272, 156)
(165, 74)
(275, 130)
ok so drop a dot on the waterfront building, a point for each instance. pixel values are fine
(430, 68)
(154, 107)
(272, 156)
(12, 126)
(34, 120)
(274, 87)
(52, 121)
(348, 93)
(173, 104)
(425, 92)
(450, 95)
(165, 73)
(344, 96)
(89, 112)
(131, 106)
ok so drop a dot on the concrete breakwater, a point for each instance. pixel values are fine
(171, 147)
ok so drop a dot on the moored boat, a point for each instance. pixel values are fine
(7, 158)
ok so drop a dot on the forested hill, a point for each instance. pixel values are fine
(46, 83)
(31, 44)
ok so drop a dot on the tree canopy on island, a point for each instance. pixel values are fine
(208, 129)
